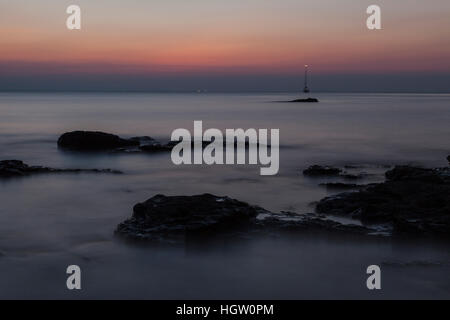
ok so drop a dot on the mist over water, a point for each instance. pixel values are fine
(48, 222)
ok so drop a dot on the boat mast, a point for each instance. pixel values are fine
(306, 89)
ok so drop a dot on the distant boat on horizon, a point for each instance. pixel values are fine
(306, 89)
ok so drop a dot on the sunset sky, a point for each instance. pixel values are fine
(255, 45)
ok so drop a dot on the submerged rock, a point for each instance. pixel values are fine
(329, 171)
(412, 200)
(305, 100)
(94, 141)
(156, 147)
(168, 219)
(17, 168)
(340, 185)
(317, 170)
(293, 222)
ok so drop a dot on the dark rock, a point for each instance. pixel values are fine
(16, 168)
(94, 141)
(100, 141)
(317, 170)
(172, 219)
(448, 159)
(340, 185)
(407, 173)
(412, 200)
(293, 222)
(163, 217)
(305, 100)
(359, 166)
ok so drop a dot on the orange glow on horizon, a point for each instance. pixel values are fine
(256, 42)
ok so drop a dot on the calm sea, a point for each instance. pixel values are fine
(48, 222)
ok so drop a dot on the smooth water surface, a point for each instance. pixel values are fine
(48, 222)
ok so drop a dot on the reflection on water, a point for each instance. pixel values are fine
(50, 221)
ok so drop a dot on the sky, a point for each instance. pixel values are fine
(234, 45)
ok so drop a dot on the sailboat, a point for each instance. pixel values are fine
(306, 89)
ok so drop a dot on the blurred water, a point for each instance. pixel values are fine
(50, 221)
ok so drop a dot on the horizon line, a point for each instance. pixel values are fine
(203, 91)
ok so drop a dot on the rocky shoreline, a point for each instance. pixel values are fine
(172, 219)
(17, 168)
(97, 141)
(412, 201)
